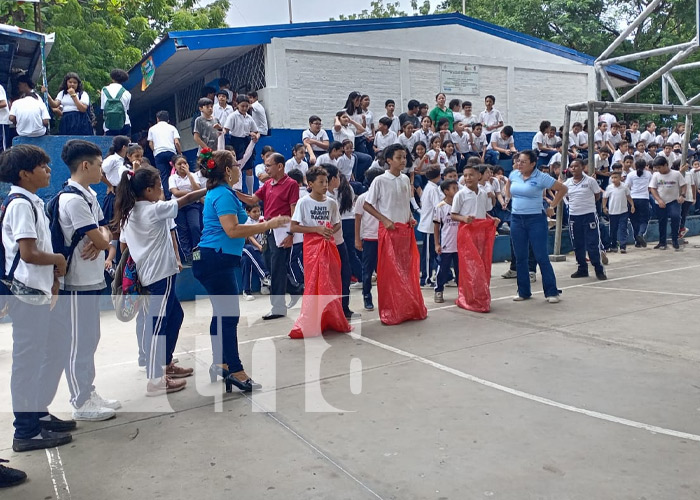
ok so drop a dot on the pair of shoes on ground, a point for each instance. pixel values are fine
(584, 274)
(54, 432)
(96, 409)
(511, 274)
(170, 382)
(554, 299)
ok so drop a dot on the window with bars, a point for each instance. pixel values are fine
(187, 99)
(247, 72)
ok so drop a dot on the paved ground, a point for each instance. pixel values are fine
(597, 397)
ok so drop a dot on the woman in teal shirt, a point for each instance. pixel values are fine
(441, 111)
(529, 223)
(219, 254)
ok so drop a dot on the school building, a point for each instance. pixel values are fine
(310, 68)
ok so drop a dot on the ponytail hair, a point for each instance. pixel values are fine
(119, 143)
(345, 192)
(131, 186)
(214, 168)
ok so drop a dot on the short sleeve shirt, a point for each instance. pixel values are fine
(581, 195)
(205, 128)
(312, 213)
(668, 185)
(278, 196)
(390, 195)
(527, 194)
(617, 198)
(221, 201)
(448, 227)
(436, 114)
(467, 202)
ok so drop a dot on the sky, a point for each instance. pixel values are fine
(250, 13)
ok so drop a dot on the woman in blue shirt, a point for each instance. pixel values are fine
(220, 248)
(529, 222)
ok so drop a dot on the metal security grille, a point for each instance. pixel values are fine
(248, 71)
(187, 100)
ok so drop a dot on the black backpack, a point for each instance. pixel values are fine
(58, 241)
(5, 276)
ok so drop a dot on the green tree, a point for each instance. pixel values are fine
(391, 9)
(95, 36)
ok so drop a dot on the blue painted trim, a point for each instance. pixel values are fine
(160, 53)
(256, 35)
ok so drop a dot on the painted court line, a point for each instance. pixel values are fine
(58, 475)
(645, 291)
(525, 395)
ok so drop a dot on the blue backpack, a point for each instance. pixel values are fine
(6, 277)
(58, 241)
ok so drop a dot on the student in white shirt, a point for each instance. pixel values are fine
(615, 200)
(346, 162)
(389, 107)
(72, 104)
(119, 77)
(188, 220)
(436, 156)
(258, 112)
(345, 128)
(462, 140)
(297, 160)
(29, 113)
(425, 134)
(428, 201)
(649, 134)
(76, 317)
(622, 151)
(27, 242)
(242, 129)
(638, 182)
(164, 140)
(366, 238)
(490, 118)
(456, 108)
(599, 135)
(384, 136)
(479, 141)
(445, 234)
(408, 138)
(678, 133)
(363, 141)
(112, 169)
(315, 139)
(4, 119)
(691, 179)
(668, 187)
(501, 146)
(335, 151)
(222, 109)
(613, 137)
(633, 134)
(146, 223)
(583, 192)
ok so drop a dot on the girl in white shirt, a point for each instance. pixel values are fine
(297, 160)
(188, 220)
(425, 134)
(72, 104)
(638, 182)
(449, 149)
(112, 169)
(146, 224)
(435, 155)
(408, 139)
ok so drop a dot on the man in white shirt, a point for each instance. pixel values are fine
(118, 76)
(258, 113)
(164, 140)
(583, 193)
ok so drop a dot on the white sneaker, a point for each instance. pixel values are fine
(265, 290)
(518, 298)
(451, 283)
(533, 277)
(266, 282)
(248, 296)
(114, 404)
(92, 412)
(509, 274)
(356, 286)
(554, 299)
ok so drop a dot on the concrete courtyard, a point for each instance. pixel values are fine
(597, 397)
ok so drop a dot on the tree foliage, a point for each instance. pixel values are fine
(95, 36)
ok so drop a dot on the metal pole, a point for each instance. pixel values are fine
(693, 100)
(591, 140)
(676, 88)
(664, 90)
(623, 36)
(681, 67)
(464, 7)
(564, 165)
(602, 74)
(289, 3)
(686, 138)
(647, 53)
(663, 69)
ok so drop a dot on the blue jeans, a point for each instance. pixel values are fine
(349, 236)
(673, 212)
(640, 217)
(492, 157)
(428, 257)
(618, 230)
(585, 237)
(216, 272)
(444, 272)
(164, 167)
(163, 316)
(369, 265)
(30, 334)
(252, 260)
(527, 231)
(189, 228)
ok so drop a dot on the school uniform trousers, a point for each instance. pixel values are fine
(189, 228)
(428, 257)
(345, 273)
(618, 229)
(73, 342)
(295, 269)
(163, 316)
(252, 262)
(278, 258)
(444, 271)
(164, 167)
(671, 211)
(370, 248)
(585, 237)
(640, 217)
(30, 334)
(348, 228)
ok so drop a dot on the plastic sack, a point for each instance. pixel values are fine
(321, 306)
(475, 248)
(398, 276)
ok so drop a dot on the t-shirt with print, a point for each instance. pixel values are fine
(312, 213)
(581, 195)
(448, 227)
(668, 185)
(205, 128)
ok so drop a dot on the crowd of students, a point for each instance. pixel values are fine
(429, 171)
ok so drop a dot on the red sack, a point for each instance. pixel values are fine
(475, 249)
(320, 313)
(398, 275)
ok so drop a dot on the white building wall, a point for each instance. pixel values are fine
(315, 74)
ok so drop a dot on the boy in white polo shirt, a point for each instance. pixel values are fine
(76, 316)
(430, 199)
(615, 200)
(164, 140)
(29, 265)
